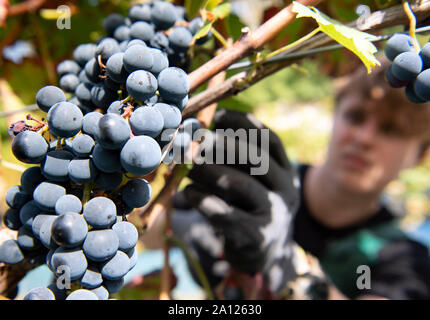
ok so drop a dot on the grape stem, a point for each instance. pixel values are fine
(220, 38)
(412, 24)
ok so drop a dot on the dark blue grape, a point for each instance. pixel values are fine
(82, 171)
(106, 160)
(38, 222)
(73, 258)
(116, 267)
(136, 193)
(102, 96)
(138, 57)
(28, 212)
(116, 107)
(135, 42)
(140, 12)
(113, 286)
(47, 96)
(141, 85)
(425, 55)
(108, 181)
(113, 86)
(407, 66)
(16, 197)
(92, 70)
(26, 240)
(55, 166)
(111, 22)
(69, 82)
(171, 115)
(393, 81)
(115, 68)
(83, 53)
(123, 45)
(181, 13)
(122, 33)
(106, 48)
(10, 252)
(83, 77)
(140, 155)
(68, 66)
(82, 294)
(398, 44)
(101, 292)
(60, 294)
(180, 38)
(40, 293)
(92, 278)
(68, 203)
(83, 93)
(46, 195)
(422, 85)
(411, 95)
(133, 255)
(163, 15)
(173, 84)
(30, 179)
(147, 121)
(101, 245)
(142, 30)
(64, 119)
(29, 147)
(127, 235)
(45, 234)
(114, 131)
(90, 123)
(159, 41)
(161, 61)
(82, 145)
(100, 212)
(11, 219)
(69, 230)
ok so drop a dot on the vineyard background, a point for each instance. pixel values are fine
(296, 102)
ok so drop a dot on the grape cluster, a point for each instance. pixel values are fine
(410, 69)
(118, 105)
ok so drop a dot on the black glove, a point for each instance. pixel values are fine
(253, 213)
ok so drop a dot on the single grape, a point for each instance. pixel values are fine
(16, 197)
(181, 13)
(116, 107)
(69, 82)
(425, 55)
(83, 77)
(73, 258)
(127, 235)
(100, 245)
(115, 68)
(92, 70)
(28, 212)
(147, 121)
(133, 255)
(161, 61)
(140, 12)
(422, 85)
(82, 171)
(83, 53)
(68, 203)
(114, 131)
(113, 286)
(82, 145)
(141, 85)
(38, 222)
(106, 160)
(47, 96)
(102, 96)
(122, 33)
(392, 80)
(64, 119)
(83, 93)
(92, 278)
(100, 212)
(40, 293)
(171, 115)
(108, 181)
(138, 57)
(180, 38)
(10, 252)
(101, 292)
(55, 166)
(11, 219)
(45, 234)
(407, 66)
(106, 48)
(135, 42)
(68, 66)
(46, 195)
(398, 44)
(116, 267)
(69, 230)
(159, 41)
(111, 22)
(30, 179)
(163, 15)
(82, 294)
(142, 30)
(90, 123)
(140, 155)
(411, 95)
(173, 84)
(26, 239)
(29, 147)
(136, 193)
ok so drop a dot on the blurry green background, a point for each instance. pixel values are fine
(296, 103)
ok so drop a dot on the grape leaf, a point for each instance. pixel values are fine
(222, 11)
(204, 30)
(193, 7)
(211, 4)
(356, 41)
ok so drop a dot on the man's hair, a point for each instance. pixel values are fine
(391, 104)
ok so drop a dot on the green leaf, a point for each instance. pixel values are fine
(211, 4)
(193, 7)
(222, 11)
(204, 30)
(356, 41)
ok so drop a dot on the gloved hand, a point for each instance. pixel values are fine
(252, 213)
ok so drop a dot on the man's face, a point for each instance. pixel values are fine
(365, 151)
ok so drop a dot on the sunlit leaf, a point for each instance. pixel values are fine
(357, 41)
(193, 7)
(204, 30)
(222, 11)
(211, 4)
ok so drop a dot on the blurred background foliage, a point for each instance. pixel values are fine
(296, 102)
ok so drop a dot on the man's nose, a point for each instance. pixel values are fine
(367, 132)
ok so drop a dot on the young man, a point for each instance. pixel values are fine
(337, 212)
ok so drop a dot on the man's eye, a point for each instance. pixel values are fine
(355, 117)
(390, 129)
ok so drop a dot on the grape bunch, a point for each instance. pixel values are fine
(409, 68)
(112, 120)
